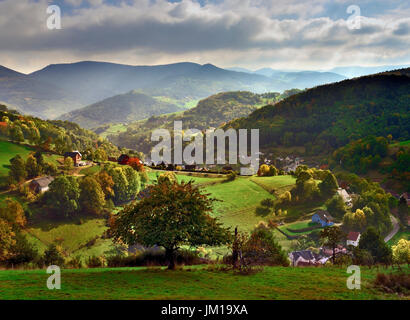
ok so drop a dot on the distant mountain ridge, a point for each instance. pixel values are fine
(61, 88)
(126, 107)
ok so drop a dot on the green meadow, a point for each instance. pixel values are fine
(197, 282)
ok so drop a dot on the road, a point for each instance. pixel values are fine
(396, 228)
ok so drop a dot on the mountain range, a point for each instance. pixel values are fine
(62, 88)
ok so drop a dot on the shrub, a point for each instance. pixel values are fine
(96, 262)
(53, 256)
(231, 176)
(262, 211)
(263, 249)
(393, 283)
(152, 257)
(23, 252)
(75, 263)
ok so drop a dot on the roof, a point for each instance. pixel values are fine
(72, 154)
(305, 254)
(43, 181)
(324, 215)
(343, 193)
(353, 236)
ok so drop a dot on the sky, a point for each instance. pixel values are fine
(253, 34)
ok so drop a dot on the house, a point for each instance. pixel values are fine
(405, 197)
(123, 159)
(304, 258)
(75, 155)
(345, 196)
(323, 217)
(190, 167)
(353, 239)
(40, 185)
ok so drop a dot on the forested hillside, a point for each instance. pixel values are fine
(211, 112)
(55, 136)
(330, 116)
(126, 107)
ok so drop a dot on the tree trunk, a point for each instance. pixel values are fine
(169, 254)
(235, 253)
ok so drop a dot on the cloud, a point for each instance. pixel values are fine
(250, 33)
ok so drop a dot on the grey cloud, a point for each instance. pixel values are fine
(244, 31)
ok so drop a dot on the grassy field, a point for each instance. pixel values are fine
(239, 199)
(199, 282)
(278, 184)
(91, 170)
(114, 129)
(401, 144)
(72, 236)
(402, 234)
(7, 151)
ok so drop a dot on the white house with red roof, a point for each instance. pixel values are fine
(353, 239)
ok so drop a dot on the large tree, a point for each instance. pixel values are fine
(372, 241)
(17, 171)
(336, 206)
(171, 216)
(92, 198)
(13, 213)
(7, 240)
(329, 185)
(332, 236)
(63, 195)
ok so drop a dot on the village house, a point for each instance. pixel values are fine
(353, 239)
(75, 155)
(40, 185)
(190, 167)
(123, 159)
(323, 217)
(328, 252)
(345, 196)
(306, 258)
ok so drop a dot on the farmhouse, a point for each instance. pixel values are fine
(40, 185)
(75, 155)
(353, 239)
(125, 159)
(191, 167)
(323, 217)
(304, 258)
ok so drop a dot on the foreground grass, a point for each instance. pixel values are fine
(191, 283)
